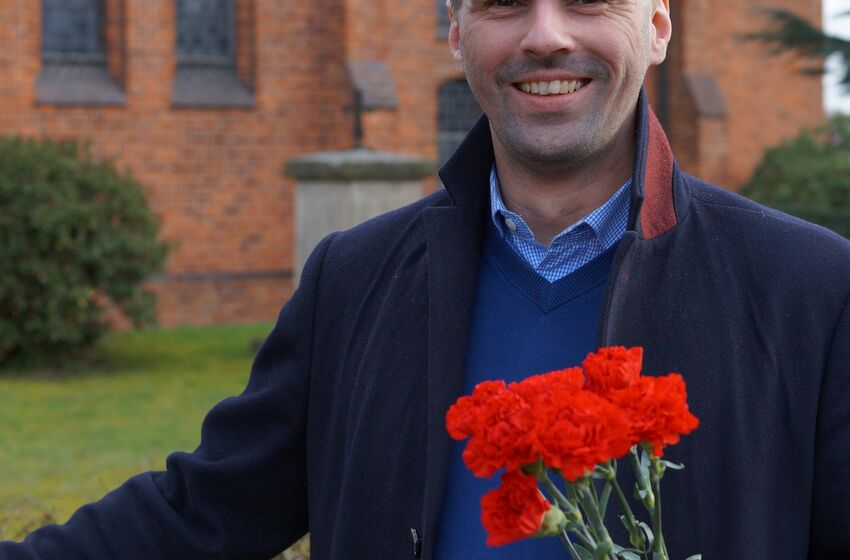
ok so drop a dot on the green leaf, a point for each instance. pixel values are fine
(617, 549)
(583, 552)
(674, 466)
(644, 459)
(603, 499)
(628, 555)
(694, 557)
(647, 530)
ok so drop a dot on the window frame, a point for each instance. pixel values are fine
(69, 78)
(213, 81)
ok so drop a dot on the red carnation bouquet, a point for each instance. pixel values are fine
(574, 424)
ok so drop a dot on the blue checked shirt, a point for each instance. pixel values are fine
(572, 248)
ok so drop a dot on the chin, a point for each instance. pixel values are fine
(547, 144)
(551, 152)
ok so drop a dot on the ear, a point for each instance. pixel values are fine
(454, 32)
(662, 29)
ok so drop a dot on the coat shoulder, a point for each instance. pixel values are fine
(756, 229)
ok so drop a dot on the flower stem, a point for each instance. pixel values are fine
(659, 548)
(570, 508)
(635, 534)
(569, 546)
(604, 544)
(641, 475)
(594, 491)
(575, 519)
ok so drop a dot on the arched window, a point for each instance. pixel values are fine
(72, 29)
(205, 32)
(457, 111)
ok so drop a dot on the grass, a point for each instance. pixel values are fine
(67, 437)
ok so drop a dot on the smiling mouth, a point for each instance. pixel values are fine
(555, 87)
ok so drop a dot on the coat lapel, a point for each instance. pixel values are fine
(454, 250)
(454, 237)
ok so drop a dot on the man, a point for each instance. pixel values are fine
(565, 225)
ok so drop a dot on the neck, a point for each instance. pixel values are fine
(551, 198)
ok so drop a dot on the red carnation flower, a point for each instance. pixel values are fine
(541, 388)
(575, 431)
(611, 369)
(499, 424)
(657, 408)
(462, 417)
(514, 510)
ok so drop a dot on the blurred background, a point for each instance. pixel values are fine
(231, 117)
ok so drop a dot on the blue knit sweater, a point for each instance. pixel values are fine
(521, 325)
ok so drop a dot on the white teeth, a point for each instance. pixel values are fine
(555, 87)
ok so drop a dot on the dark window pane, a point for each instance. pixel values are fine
(457, 111)
(205, 31)
(71, 27)
(443, 22)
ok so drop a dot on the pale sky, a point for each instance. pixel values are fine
(835, 98)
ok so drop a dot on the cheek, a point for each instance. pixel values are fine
(480, 64)
(478, 55)
(627, 46)
(628, 58)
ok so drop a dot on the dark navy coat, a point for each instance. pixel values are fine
(341, 428)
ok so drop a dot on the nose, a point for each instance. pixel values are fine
(549, 29)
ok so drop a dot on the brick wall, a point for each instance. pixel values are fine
(215, 176)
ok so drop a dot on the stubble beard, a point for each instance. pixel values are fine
(557, 147)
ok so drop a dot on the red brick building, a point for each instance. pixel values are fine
(206, 100)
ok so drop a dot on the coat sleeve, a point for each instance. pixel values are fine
(240, 495)
(830, 529)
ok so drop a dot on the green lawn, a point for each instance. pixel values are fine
(67, 438)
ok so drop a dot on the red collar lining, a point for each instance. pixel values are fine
(658, 214)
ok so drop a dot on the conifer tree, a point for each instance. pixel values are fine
(788, 31)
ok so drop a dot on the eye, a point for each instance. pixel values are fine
(504, 3)
(590, 6)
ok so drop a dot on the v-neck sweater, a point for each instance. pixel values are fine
(521, 325)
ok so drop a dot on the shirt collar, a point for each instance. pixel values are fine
(607, 223)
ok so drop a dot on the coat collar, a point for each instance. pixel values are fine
(653, 210)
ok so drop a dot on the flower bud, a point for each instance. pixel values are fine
(553, 523)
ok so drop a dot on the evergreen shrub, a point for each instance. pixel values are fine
(76, 236)
(809, 176)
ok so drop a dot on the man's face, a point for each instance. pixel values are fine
(559, 79)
